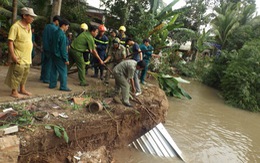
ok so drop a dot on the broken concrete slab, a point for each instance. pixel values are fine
(9, 149)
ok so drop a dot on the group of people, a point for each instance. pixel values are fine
(117, 54)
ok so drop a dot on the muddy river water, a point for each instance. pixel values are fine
(206, 130)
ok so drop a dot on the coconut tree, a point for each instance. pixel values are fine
(225, 23)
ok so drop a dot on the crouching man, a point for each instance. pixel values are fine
(123, 72)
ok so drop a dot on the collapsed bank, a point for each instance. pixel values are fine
(114, 127)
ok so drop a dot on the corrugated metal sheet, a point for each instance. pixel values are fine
(158, 142)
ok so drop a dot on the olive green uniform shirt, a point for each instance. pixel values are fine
(83, 42)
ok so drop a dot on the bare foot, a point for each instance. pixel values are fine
(26, 93)
(17, 95)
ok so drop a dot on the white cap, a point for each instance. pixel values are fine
(28, 11)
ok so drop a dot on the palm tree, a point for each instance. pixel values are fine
(225, 23)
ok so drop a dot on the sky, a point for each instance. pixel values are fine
(181, 3)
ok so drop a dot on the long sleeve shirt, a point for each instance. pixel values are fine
(48, 36)
(102, 45)
(126, 68)
(147, 51)
(59, 46)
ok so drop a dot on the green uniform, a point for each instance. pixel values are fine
(79, 45)
(117, 55)
(123, 72)
(60, 56)
(46, 60)
(147, 54)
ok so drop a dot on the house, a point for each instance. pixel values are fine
(96, 15)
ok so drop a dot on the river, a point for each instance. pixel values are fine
(206, 130)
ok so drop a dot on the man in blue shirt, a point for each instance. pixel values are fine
(137, 56)
(60, 58)
(46, 54)
(147, 51)
(101, 42)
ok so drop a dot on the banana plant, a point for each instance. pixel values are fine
(170, 85)
(167, 23)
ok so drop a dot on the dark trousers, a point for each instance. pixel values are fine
(58, 66)
(46, 63)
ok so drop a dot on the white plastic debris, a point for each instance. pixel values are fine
(63, 115)
(8, 109)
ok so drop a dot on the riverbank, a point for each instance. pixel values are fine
(113, 127)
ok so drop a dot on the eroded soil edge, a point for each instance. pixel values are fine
(113, 128)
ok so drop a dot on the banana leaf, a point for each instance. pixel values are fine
(166, 10)
(170, 86)
(184, 93)
(176, 93)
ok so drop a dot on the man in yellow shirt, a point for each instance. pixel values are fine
(20, 48)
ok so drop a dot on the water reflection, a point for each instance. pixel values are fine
(207, 130)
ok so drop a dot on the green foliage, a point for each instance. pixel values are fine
(59, 131)
(4, 53)
(124, 12)
(215, 72)
(25, 117)
(225, 23)
(167, 11)
(170, 86)
(243, 34)
(197, 69)
(148, 23)
(168, 59)
(241, 81)
(75, 11)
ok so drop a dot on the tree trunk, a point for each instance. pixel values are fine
(14, 16)
(29, 3)
(56, 7)
(126, 15)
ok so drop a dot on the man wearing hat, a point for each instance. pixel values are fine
(20, 48)
(116, 54)
(84, 42)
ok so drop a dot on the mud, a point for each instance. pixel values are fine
(114, 127)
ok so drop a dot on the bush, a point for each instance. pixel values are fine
(196, 69)
(216, 71)
(3, 53)
(241, 81)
